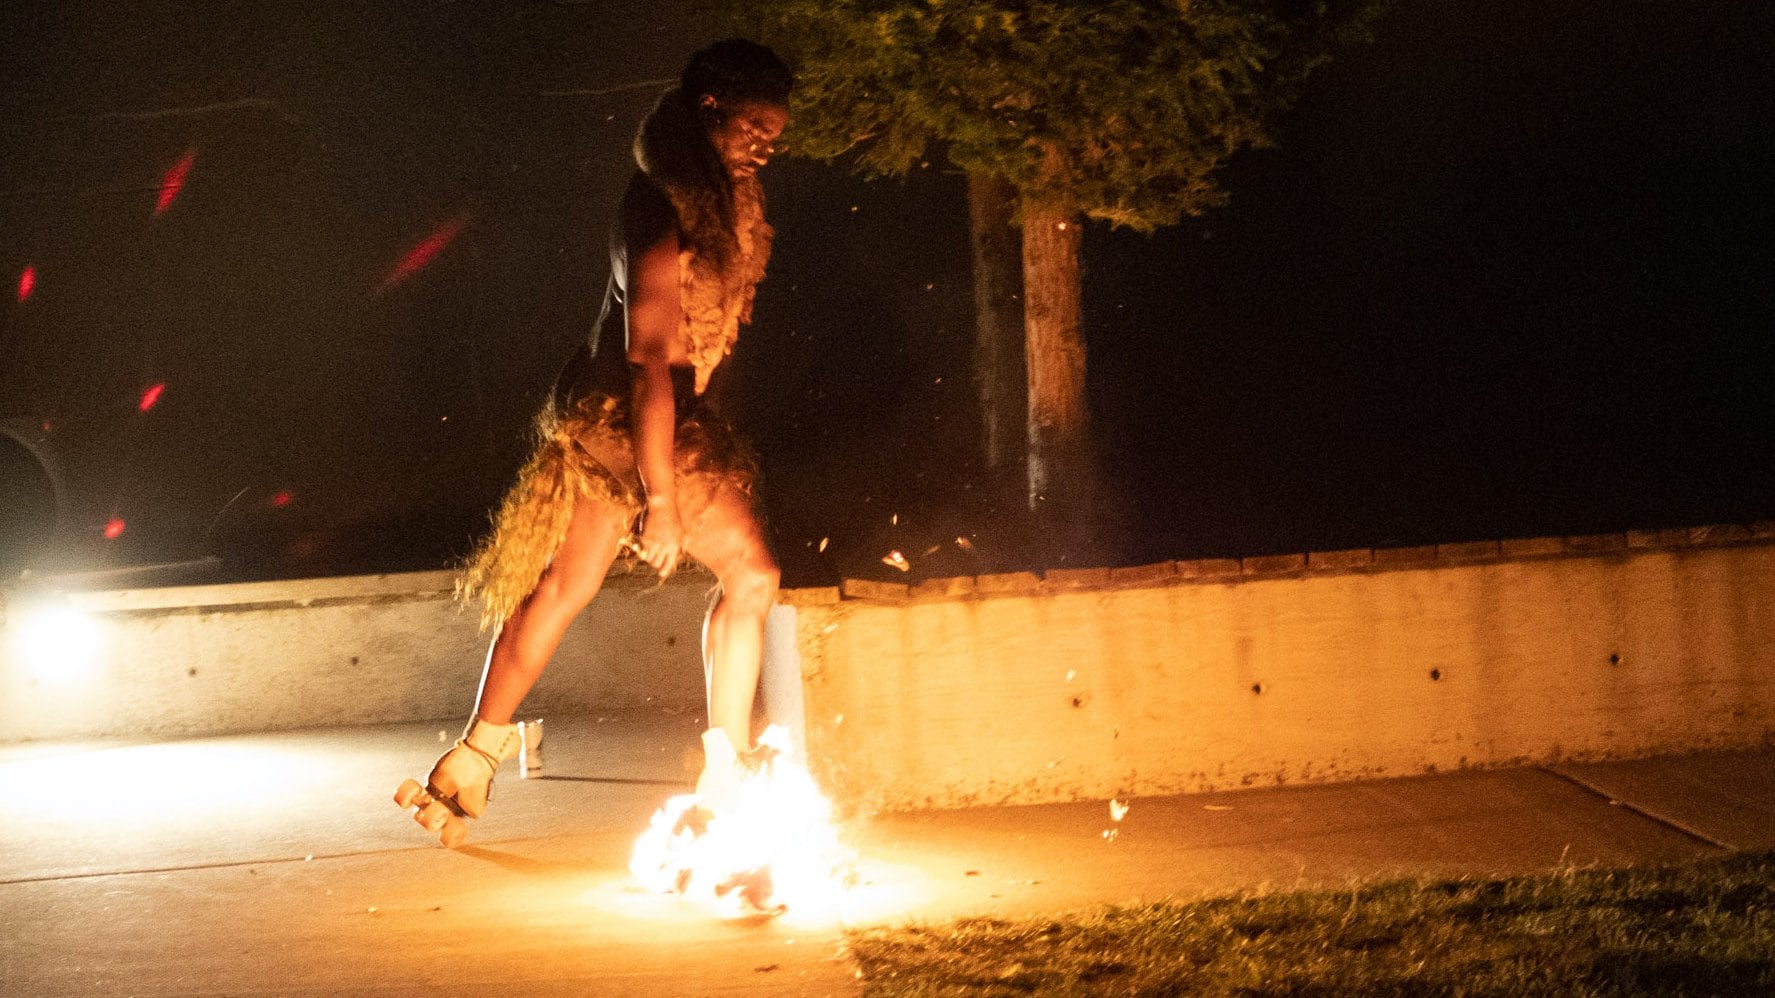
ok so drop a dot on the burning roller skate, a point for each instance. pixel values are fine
(755, 837)
(461, 783)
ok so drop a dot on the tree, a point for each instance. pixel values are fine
(1115, 110)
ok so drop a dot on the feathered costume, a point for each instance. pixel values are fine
(584, 444)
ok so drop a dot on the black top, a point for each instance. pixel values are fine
(600, 365)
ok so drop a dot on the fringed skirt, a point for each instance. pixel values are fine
(584, 453)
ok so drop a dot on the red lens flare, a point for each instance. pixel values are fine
(27, 283)
(427, 250)
(151, 396)
(173, 182)
(114, 528)
(282, 498)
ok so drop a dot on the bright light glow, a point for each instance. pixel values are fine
(114, 528)
(282, 498)
(174, 182)
(151, 396)
(56, 643)
(27, 283)
(202, 785)
(773, 849)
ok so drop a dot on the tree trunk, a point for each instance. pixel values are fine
(1059, 446)
(998, 321)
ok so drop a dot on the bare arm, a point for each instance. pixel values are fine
(654, 312)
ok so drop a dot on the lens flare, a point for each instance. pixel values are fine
(768, 847)
(419, 256)
(151, 396)
(174, 182)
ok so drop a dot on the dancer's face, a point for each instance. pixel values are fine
(744, 132)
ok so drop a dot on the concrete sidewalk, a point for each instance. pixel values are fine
(277, 865)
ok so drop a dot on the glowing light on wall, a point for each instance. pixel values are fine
(114, 528)
(56, 643)
(27, 283)
(174, 182)
(151, 396)
(419, 256)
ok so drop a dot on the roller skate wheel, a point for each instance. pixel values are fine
(453, 832)
(433, 816)
(407, 792)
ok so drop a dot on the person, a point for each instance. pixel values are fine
(632, 447)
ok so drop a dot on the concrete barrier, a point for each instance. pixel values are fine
(198, 660)
(1191, 676)
(1173, 677)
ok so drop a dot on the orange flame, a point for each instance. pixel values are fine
(772, 849)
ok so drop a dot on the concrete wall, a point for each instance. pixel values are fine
(1301, 668)
(354, 650)
(1086, 683)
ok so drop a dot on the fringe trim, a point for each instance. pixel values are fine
(563, 471)
(532, 520)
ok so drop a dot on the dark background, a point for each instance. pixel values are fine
(1507, 273)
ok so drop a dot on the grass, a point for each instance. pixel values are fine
(1703, 928)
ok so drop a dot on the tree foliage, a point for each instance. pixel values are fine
(1120, 110)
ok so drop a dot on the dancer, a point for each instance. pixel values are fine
(632, 448)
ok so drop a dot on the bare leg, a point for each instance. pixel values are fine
(726, 537)
(526, 642)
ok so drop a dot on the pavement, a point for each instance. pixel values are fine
(276, 864)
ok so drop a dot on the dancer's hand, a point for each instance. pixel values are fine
(662, 538)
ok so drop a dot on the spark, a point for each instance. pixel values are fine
(965, 544)
(174, 182)
(114, 528)
(895, 559)
(27, 283)
(151, 397)
(895, 519)
(823, 542)
(427, 250)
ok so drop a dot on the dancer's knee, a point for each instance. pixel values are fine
(751, 586)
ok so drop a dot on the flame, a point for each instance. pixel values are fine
(772, 848)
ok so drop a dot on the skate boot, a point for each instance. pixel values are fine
(461, 782)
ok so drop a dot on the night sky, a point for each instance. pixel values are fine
(1508, 272)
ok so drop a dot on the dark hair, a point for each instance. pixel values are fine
(737, 69)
